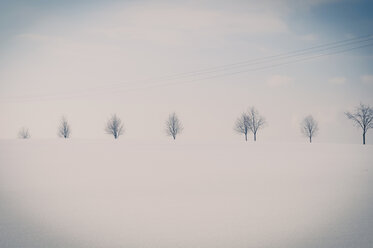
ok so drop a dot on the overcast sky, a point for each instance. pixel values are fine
(90, 59)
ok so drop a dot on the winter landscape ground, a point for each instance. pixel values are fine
(106, 193)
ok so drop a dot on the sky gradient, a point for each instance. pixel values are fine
(90, 59)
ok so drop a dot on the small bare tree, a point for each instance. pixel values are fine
(309, 127)
(24, 133)
(256, 121)
(242, 125)
(64, 130)
(114, 126)
(362, 117)
(173, 126)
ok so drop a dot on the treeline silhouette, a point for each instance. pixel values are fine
(248, 122)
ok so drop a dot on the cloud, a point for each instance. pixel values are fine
(174, 24)
(36, 37)
(337, 80)
(367, 79)
(279, 80)
(309, 37)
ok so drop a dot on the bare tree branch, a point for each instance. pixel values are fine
(251, 121)
(256, 121)
(24, 133)
(309, 127)
(242, 125)
(64, 130)
(173, 126)
(362, 117)
(114, 126)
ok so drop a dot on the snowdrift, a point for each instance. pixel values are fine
(116, 193)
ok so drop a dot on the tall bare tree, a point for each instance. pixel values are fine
(24, 133)
(173, 126)
(309, 127)
(64, 130)
(242, 125)
(256, 121)
(114, 126)
(362, 117)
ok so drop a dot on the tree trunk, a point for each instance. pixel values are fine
(246, 136)
(310, 139)
(364, 138)
(254, 136)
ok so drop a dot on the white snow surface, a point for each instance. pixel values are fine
(119, 193)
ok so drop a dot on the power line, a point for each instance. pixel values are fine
(292, 54)
(262, 68)
(301, 54)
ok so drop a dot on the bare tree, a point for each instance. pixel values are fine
(114, 126)
(242, 125)
(309, 127)
(24, 133)
(173, 126)
(256, 121)
(64, 130)
(362, 117)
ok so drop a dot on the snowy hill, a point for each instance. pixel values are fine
(89, 193)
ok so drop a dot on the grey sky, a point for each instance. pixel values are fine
(67, 59)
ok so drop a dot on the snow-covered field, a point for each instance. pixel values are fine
(106, 193)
